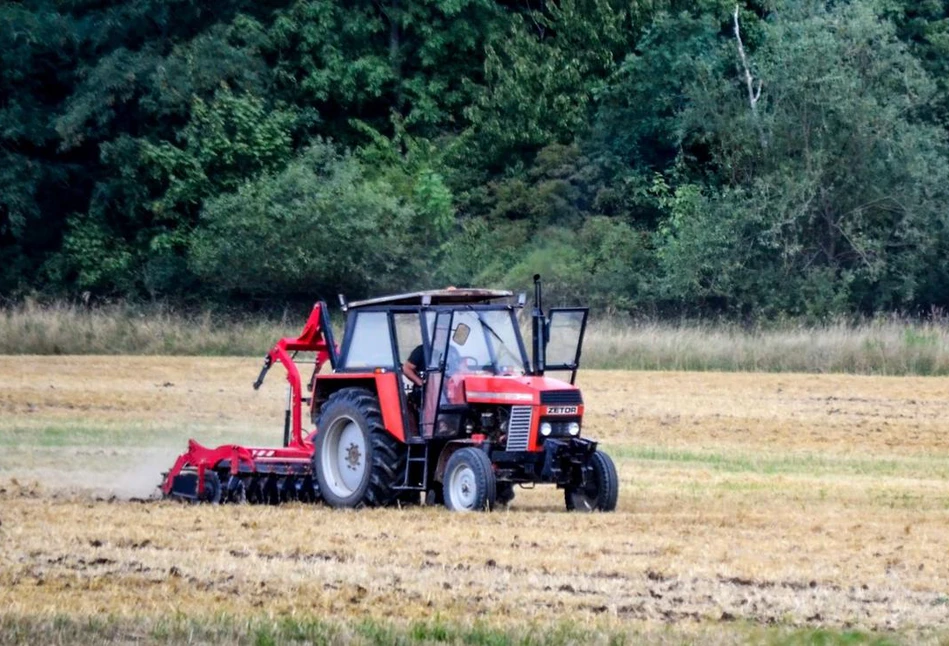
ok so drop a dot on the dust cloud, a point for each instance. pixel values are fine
(130, 475)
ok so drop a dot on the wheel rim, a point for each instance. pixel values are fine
(343, 456)
(463, 487)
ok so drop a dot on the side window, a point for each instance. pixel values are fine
(467, 339)
(408, 335)
(370, 345)
(429, 318)
(440, 339)
(565, 328)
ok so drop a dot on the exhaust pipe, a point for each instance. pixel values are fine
(539, 329)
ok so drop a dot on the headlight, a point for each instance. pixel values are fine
(545, 429)
(573, 428)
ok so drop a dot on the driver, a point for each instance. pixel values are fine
(412, 368)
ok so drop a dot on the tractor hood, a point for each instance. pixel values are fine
(493, 389)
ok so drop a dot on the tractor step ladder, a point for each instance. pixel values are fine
(417, 455)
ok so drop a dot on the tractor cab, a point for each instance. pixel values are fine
(448, 329)
(467, 337)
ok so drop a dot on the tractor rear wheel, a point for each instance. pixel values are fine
(601, 491)
(469, 483)
(356, 462)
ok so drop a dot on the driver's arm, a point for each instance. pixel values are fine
(411, 371)
(411, 366)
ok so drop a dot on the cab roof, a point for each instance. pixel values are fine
(455, 296)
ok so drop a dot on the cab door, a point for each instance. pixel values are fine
(435, 372)
(564, 336)
(410, 338)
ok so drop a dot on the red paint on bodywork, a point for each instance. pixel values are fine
(510, 384)
(386, 385)
(509, 390)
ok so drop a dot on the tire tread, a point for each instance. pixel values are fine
(387, 454)
(484, 473)
(607, 482)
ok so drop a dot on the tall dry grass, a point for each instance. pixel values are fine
(889, 346)
(32, 328)
(878, 347)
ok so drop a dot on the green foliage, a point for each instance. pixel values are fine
(410, 166)
(830, 195)
(370, 59)
(925, 27)
(38, 187)
(603, 264)
(320, 226)
(154, 78)
(100, 259)
(541, 74)
(640, 111)
(148, 148)
(138, 71)
(224, 142)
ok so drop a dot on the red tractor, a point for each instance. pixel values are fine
(485, 419)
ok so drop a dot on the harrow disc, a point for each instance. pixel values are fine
(185, 487)
(250, 488)
(236, 490)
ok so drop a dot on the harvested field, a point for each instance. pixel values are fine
(771, 508)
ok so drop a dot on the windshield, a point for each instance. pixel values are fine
(485, 341)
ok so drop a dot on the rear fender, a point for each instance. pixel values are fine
(446, 453)
(384, 384)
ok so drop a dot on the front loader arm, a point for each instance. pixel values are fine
(316, 336)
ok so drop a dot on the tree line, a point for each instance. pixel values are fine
(774, 158)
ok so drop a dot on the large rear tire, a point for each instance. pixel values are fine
(601, 491)
(469, 483)
(356, 462)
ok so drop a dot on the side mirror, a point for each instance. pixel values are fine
(460, 337)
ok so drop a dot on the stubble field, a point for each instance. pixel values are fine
(772, 508)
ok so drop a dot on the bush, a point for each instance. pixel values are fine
(317, 227)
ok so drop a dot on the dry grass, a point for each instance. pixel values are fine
(65, 329)
(753, 507)
(880, 347)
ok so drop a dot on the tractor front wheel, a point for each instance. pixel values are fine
(469, 483)
(601, 490)
(356, 462)
(505, 493)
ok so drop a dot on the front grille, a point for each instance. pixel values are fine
(519, 428)
(561, 397)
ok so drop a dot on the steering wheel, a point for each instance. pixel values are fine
(457, 361)
(470, 363)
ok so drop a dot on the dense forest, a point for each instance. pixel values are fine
(658, 157)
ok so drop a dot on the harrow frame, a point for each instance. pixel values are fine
(279, 467)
